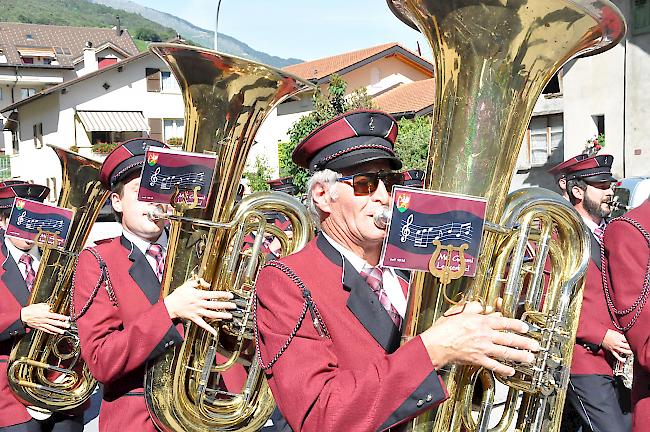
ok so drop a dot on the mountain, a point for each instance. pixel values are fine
(203, 37)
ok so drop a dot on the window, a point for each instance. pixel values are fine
(0, 93)
(169, 84)
(599, 121)
(153, 79)
(58, 50)
(543, 142)
(38, 135)
(27, 92)
(156, 129)
(640, 16)
(173, 128)
(28, 60)
(51, 184)
(554, 86)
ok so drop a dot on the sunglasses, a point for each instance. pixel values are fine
(367, 183)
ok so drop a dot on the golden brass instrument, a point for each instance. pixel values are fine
(492, 60)
(625, 370)
(190, 387)
(46, 371)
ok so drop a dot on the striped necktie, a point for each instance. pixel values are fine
(373, 275)
(156, 251)
(26, 259)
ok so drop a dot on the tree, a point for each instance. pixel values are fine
(326, 107)
(259, 176)
(146, 34)
(412, 145)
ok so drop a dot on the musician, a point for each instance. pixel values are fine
(414, 178)
(343, 368)
(593, 391)
(20, 261)
(123, 323)
(626, 278)
(559, 172)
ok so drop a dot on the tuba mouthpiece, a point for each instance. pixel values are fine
(156, 213)
(382, 217)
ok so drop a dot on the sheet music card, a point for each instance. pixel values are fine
(419, 218)
(42, 223)
(168, 170)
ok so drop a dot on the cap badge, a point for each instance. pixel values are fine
(371, 125)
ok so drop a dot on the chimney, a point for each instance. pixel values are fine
(90, 59)
(118, 27)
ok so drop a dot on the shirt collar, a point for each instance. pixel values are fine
(143, 245)
(357, 262)
(591, 224)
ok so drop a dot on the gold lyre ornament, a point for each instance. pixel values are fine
(492, 59)
(226, 99)
(448, 271)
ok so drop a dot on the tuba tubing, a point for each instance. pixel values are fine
(492, 60)
(47, 371)
(189, 388)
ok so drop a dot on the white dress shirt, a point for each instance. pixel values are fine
(390, 282)
(16, 254)
(143, 245)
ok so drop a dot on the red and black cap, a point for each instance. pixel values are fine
(592, 169)
(11, 189)
(414, 178)
(125, 159)
(284, 184)
(560, 169)
(350, 139)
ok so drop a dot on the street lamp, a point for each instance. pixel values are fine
(216, 26)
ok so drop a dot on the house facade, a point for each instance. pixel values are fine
(34, 57)
(132, 98)
(379, 69)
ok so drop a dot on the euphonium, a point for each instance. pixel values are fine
(211, 383)
(46, 370)
(492, 59)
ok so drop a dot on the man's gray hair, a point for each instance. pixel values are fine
(325, 177)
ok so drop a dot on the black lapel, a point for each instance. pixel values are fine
(12, 277)
(141, 272)
(595, 251)
(362, 302)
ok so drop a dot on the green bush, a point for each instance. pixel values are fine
(103, 147)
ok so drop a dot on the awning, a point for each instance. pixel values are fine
(113, 121)
(36, 52)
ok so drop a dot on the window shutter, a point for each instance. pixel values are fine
(153, 79)
(156, 129)
(640, 16)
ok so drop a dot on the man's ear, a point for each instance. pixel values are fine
(578, 193)
(116, 202)
(561, 183)
(320, 195)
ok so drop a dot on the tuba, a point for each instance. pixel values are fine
(492, 60)
(215, 383)
(45, 370)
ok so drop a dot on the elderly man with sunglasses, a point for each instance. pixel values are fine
(328, 317)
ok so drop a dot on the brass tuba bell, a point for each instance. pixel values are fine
(208, 383)
(45, 370)
(492, 60)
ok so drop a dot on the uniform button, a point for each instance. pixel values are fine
(429, 398)
(171, 343)
(420, 403)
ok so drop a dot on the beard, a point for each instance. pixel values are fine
(595, 208)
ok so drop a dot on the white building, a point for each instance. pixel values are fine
(135, 97)
(34, 57)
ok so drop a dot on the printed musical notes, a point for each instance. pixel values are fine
(33, 224)
(184, 181)
(423, 237)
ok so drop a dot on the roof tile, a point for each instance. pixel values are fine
(405, 98)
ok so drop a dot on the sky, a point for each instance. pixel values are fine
(307, 30)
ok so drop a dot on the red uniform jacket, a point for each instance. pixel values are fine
(589, 358)
(358, 379)
(626, 259)
(14, 295)
(118, 336)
